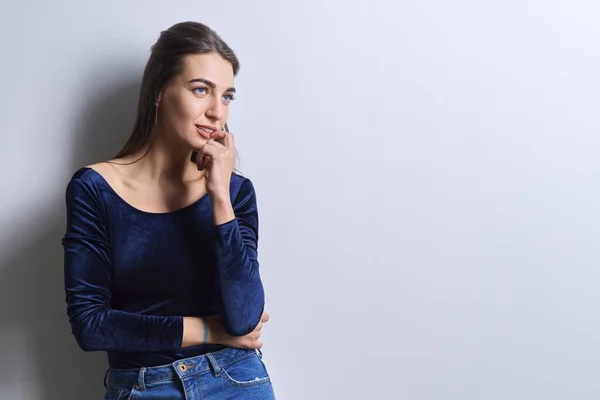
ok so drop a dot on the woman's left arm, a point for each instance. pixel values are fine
(240, 294)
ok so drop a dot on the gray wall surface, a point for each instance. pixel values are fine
(427, 176)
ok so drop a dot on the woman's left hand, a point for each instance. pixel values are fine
(219, 160)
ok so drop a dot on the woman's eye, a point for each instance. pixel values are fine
(228, 98)
(200, 90)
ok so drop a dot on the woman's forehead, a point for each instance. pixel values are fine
(211, 67)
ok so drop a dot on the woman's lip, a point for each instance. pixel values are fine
(203, 132)
(210, 127)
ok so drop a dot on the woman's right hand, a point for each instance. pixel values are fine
(218, 335)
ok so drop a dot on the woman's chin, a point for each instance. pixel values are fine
(197, 142)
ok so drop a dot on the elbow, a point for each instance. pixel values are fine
(86, 330)
(84, 340)
(239, 330)
(87, 346)
(242, 311)
(246, 322)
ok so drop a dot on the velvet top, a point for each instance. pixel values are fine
(131, 276)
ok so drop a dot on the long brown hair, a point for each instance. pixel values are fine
(165, 63)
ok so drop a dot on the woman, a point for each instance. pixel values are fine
(161, 268)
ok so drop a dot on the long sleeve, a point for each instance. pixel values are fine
(88, 278)
(240, 294)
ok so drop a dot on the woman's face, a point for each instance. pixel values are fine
(197, 101)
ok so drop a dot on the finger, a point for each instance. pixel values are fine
(198, 157)
(200, 161)
(249, 343)
(219, 136)
(212, 148)
(264, 317)
(204, 162)
(199, 151)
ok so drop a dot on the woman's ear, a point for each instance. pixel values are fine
(157, 103)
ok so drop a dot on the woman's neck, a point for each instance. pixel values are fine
(165, 162)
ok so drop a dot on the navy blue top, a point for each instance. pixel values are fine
(131, 276)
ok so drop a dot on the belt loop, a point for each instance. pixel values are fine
(141, 385)
(105, 378)
(214, 364)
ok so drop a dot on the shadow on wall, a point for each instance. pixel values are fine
(38, 353)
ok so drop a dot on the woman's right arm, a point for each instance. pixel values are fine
(88, 280)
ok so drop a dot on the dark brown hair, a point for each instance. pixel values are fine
(165, 63)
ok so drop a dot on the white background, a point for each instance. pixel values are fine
(427, 177)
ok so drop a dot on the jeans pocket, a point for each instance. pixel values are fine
(249, 371)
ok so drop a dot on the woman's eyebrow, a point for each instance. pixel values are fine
(211, 84)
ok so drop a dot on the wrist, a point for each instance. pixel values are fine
(213, 333)
(206, 337)
(197, 331)
(219, 196)
(192, 332)
(222, 210)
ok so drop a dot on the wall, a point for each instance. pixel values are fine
(427, 174)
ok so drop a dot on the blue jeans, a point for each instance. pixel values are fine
(225, 374)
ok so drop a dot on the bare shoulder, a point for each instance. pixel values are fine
(111, 170)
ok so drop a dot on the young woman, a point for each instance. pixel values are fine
(161, 267)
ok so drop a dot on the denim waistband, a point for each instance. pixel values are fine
(139, 377)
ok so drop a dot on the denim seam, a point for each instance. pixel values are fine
(236, 360)
(246, 384)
